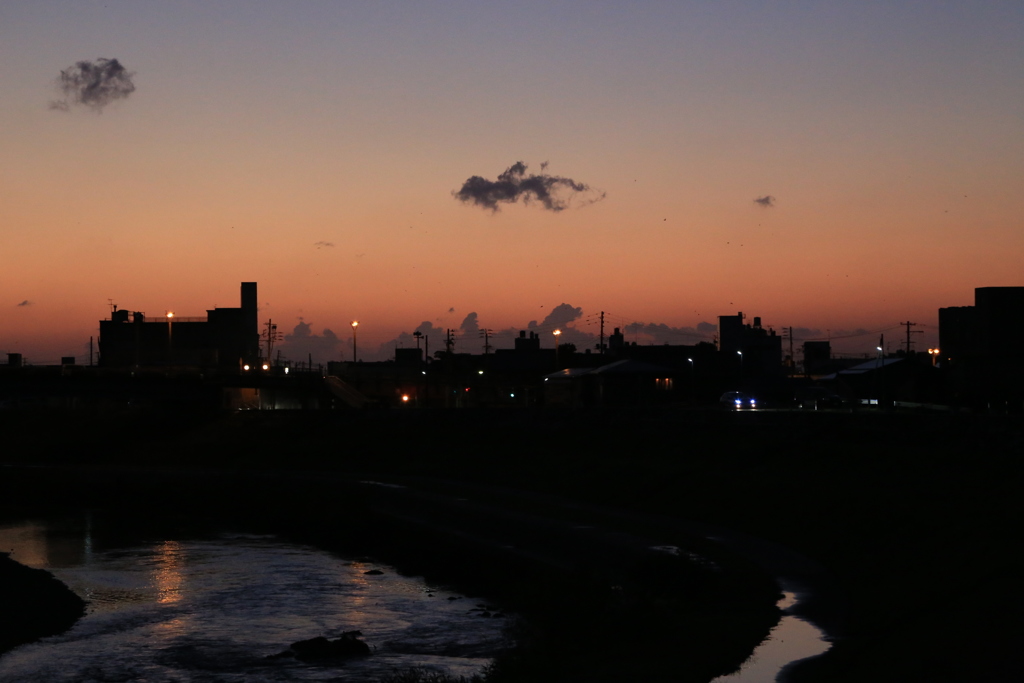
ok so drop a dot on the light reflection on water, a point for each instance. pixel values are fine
(791, 640)
(212, 610)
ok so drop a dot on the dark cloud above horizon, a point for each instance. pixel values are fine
(560, 316)
(302, 343)
(26, 302)
(660, 333)
(553, 192)
(470, 325)
(93, 84)
(766, 201)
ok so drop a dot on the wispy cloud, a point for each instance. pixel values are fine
(766, 201)
(321, 243)
(93, 84)
(554, 193)
(26, 302)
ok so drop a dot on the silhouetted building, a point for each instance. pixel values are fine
(226, 338)
(524, 343)
(623, 382)
(979, 348)
(758, 351)
(885, 381)
(817, 355)
(409, 358)
(993, 327)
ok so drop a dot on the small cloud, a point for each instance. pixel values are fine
(451, 310)
(26, 302)
(766, 201)
(93, 84)
(553, 192)
(321, 243)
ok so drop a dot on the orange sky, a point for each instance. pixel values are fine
(891, 140)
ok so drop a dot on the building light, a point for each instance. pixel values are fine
(245, 367)
(405, 398)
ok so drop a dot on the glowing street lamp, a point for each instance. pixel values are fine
(557, 334)
(692, 376)
(170, 332)
(355, 325)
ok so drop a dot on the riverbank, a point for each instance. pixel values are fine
(910, 514)
(687, 611)
(33, 604)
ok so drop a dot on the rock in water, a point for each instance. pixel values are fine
(319, 648)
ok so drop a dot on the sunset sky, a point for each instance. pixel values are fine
(316, 147)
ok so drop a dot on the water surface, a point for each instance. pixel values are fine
(792, 639)
(212, 609)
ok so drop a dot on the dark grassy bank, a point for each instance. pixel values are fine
(916, 516)
(33, 604)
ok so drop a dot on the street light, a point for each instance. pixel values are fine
(355, 324)
(557, 334)
(170, 335)
(693, 375)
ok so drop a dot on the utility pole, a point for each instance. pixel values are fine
(271, 335)
(90, 351)
(601, 347)
(449, 343)
(486, 334)
(788, 333)
(908, 325)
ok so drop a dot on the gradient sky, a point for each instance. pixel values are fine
(891, 136)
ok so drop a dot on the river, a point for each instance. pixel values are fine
(213, 606)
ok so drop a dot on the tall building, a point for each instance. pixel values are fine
(226, 338)
(979, 348)
(757, 350)
(992, 328)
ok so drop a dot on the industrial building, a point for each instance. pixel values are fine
(226, 338)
